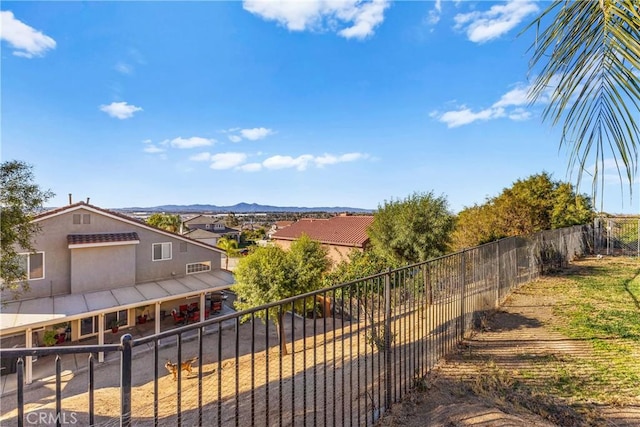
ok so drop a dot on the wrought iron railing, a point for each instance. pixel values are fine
(352, 350)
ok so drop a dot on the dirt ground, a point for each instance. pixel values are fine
(475, 386)
(472, 387)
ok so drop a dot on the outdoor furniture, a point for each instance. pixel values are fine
(216, 306)
(178, 318)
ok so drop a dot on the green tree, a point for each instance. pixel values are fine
(311, 262)
(230, 247)
(20, 200)
(589, 52)
(412, 230)
(270, 274)
(255, 234)
(528, 206)
(475, 225)
(357, 265)
(165, 221)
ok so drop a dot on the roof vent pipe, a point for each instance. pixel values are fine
(70, 201)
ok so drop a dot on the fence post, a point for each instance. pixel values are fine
(462, 291)
(20, 388)
(498, 274)
(387, 340)
(125, 380)
(427, 284)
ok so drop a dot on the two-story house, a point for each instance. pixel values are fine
(212, 229)
(93, 268)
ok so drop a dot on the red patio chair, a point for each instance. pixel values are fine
(178, 318)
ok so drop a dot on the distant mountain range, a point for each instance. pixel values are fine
(242, 208)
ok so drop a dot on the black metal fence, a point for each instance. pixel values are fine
(617, 236)
(351, 350)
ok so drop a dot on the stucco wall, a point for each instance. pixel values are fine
(52, 240)
(334, 252)
(92, 267)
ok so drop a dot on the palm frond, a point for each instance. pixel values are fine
(589, 54)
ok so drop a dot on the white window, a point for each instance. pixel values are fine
(89, 326)
(197, 267)
(117, 318)
(161, 251)
(33, 265)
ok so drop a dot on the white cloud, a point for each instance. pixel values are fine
(151, 148)
(328, 159)
(27, 41)
(520, 114)
(255, 133)
(284, 162)
(354, 18)
(252, 134)
(434, 14)
(465, 116)
(201, 157)
(250, 167)
(230, 160)
(120, 110)
(493, 23)
(193, 142)
(303, 162)
(123, 68)
(515, 97)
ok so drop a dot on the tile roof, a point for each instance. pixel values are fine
(199, 233)
(204, 219)
(339, 230)
(84, 239)
(282, 224)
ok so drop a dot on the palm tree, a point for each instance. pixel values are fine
(590, 56)
(230, 246)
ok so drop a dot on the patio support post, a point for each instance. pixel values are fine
(202, 307)
(157, 317)
(28, 335)
(101, 336)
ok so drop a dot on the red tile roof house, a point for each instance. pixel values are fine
(340, 234)
(92, 266)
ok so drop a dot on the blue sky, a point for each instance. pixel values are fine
(310, 103)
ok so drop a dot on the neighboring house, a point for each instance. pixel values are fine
(204, 236)
(213, 225)
(340, 234)
(93, 267)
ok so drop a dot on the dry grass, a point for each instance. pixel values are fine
(563, 351)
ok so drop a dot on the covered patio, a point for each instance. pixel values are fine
(103, 315)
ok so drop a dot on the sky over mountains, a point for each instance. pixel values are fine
(310, 103)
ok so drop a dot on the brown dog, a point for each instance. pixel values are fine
(186, 366)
